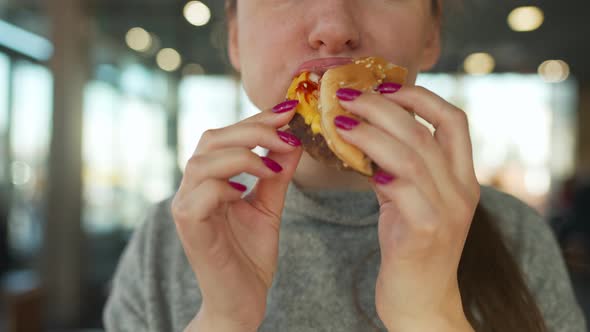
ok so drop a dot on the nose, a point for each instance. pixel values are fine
(335, 29)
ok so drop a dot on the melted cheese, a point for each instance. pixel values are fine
(308, 103)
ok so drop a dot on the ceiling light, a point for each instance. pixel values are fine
(168, 59)
(527, 18)
(554, 71)
(138, 39)
(197, 13)
(479, 64)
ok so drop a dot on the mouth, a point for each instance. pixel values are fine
(321, 65)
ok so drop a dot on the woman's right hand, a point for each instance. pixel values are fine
(232, 242)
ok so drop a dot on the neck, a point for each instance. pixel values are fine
(313, 176)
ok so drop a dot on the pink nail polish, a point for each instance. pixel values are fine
(285, 106)
(273, 165)
(382, 177)
(289, 138)
(345, 123)
(348, 94)
(388, 87)
(238, 186)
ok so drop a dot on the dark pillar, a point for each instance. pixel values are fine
(63, 247)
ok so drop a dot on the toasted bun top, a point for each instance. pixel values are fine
(363, 74)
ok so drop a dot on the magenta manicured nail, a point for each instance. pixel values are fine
(382, 177)
(285, 106)
(345, 123)
(289, 138)
(388, 87)
(238, 186)
(273, 165)
(348, 94)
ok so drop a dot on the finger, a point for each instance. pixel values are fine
(226, 163)
(277, 116)
(269, 193)
(452, 129)
(399, 123)
(248, 135)
(204, 242)
(392, 156)
(412, 224)
(192, 209)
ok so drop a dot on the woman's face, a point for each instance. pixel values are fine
(270, 39)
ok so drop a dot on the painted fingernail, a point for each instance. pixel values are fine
(285, 106)
(273, 165)
(289, 138)
(388, 87)
(238, 186)
(345, 123)
(348, 94)
(382, 177)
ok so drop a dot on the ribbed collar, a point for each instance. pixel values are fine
(352, 208)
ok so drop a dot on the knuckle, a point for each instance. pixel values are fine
(208, 139)
(460, 117)
(179, 210)
(421, 136)
(420, 89)
(415, 167)
(209, 134)
(193, 166)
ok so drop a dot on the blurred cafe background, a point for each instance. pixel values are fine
(103, 101)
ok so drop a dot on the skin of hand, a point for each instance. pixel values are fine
(427, 191)
(231, 241)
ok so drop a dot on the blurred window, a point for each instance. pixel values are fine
(127, 163)
(206, 102)
(4, 89)
(32, 102)
(522, 128)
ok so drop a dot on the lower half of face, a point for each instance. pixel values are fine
(274, 37)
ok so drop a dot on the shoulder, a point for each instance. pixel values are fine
(517, 221)
(151, 278)
(535, 249)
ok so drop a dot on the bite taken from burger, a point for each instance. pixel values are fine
(315, 89)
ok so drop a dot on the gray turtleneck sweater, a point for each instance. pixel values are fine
(325, 249)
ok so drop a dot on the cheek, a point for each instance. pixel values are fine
(264, 56)
(402, 40)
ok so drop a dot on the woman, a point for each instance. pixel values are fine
(419, 247)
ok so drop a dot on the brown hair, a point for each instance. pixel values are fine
(494, 293)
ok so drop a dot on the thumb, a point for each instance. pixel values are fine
(270, 193)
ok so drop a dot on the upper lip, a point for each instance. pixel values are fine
(321, 65)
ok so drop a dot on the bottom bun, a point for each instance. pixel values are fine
(316, 146)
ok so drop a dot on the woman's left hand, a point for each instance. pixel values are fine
(428, 193)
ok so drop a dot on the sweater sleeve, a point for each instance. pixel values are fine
(125, 309)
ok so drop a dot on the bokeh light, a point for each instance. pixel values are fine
(526, 18)
(138, 39)
(169, 59)
(554, 71)
(479, 64)
(197, 13)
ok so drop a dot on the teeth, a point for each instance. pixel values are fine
(314, 77)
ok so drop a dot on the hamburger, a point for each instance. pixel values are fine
(318, 105)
